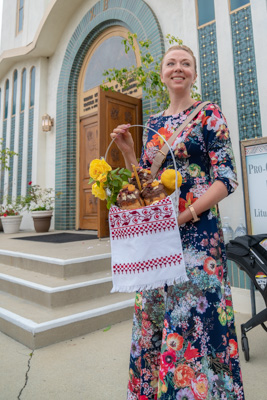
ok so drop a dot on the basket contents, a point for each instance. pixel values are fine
(152, 192)
(130, 190)
(144, 176)
(129, 198)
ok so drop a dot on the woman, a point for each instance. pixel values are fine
(184, 343)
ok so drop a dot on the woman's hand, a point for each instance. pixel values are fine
(123, 139)
(216, 192)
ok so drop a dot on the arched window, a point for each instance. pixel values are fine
(32, 87)
(98, 59)
(235, 4)
(20, 15)
(23, 90)
(6, 98)
(14, 96)
(205, 12)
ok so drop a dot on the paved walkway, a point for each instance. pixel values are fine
(95, 367)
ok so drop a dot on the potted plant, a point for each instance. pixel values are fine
(10, 215)
(40, 202)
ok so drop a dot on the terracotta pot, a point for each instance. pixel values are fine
(11, 223)
(42, 220)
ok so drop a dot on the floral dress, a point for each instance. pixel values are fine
(184, 344)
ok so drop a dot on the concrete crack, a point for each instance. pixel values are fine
(26, 375)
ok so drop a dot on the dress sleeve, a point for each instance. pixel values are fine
(219, 147)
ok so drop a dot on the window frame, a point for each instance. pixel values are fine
(237, 9)
(6, 99)
(30, 92)
(21, 88)
(197, 17)
(14, 94)
(18, 31)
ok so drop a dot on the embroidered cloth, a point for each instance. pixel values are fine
(146, 247)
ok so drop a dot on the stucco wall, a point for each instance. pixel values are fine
(33, 13)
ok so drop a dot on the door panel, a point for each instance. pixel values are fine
(114, 109)
(89, 149)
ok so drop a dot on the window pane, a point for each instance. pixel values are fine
(23, 90)
(14, 92)
(6, 98)
(32, 87)
(109, 54)
(20, 19)
(238, 3)
(206, 11)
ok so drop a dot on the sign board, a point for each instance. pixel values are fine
(254, 167)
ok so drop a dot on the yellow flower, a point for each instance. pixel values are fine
(168, 180)
(98, 191)
(97, 168)
(102, 178)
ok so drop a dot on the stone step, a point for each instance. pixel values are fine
(52, 291)
(58, 267)
(37, 326)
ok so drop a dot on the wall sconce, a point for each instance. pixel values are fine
(47, 123)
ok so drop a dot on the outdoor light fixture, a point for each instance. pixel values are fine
(47, 123)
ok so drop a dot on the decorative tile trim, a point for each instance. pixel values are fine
(248, 106)
(2, 172)
(30, 146)
(20, 152)
(209, 67)
(11, 160)
(138, 18)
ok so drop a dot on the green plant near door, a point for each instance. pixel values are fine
(146, 76)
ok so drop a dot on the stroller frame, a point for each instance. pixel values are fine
(251, 257)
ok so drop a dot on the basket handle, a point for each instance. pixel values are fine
(168, 146)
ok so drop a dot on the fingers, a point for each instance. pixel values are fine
(120, 129)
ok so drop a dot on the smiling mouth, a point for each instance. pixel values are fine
(175, 78)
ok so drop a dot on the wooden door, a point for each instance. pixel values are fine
(89, 149)
(113, 109)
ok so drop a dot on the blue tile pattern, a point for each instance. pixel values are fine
(30, 146)
(20, 152)
(2, 172)
(11, 160)
(209, 68)
(248, 106)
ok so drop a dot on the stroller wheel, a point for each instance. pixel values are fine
(245, 347)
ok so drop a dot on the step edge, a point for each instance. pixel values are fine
(51, 290)
(52, 260)
(34, 328)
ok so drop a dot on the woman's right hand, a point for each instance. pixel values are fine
(123, 139)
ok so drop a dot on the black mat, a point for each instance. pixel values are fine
(59, 237)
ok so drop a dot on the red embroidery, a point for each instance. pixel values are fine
(141, 266)
(149, 219)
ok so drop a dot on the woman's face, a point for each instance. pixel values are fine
(178, 71)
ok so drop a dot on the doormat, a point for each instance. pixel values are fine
(59, 237)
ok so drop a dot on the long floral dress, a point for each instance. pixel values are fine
(184, 344)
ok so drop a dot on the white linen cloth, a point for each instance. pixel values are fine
(146, 247)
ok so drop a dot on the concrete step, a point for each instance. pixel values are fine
(37, 326)
(52, 291)
(59, 267)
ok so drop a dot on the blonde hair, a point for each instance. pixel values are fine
(180, 47)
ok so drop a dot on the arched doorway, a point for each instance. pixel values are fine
(100, 17)
(98, 113)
